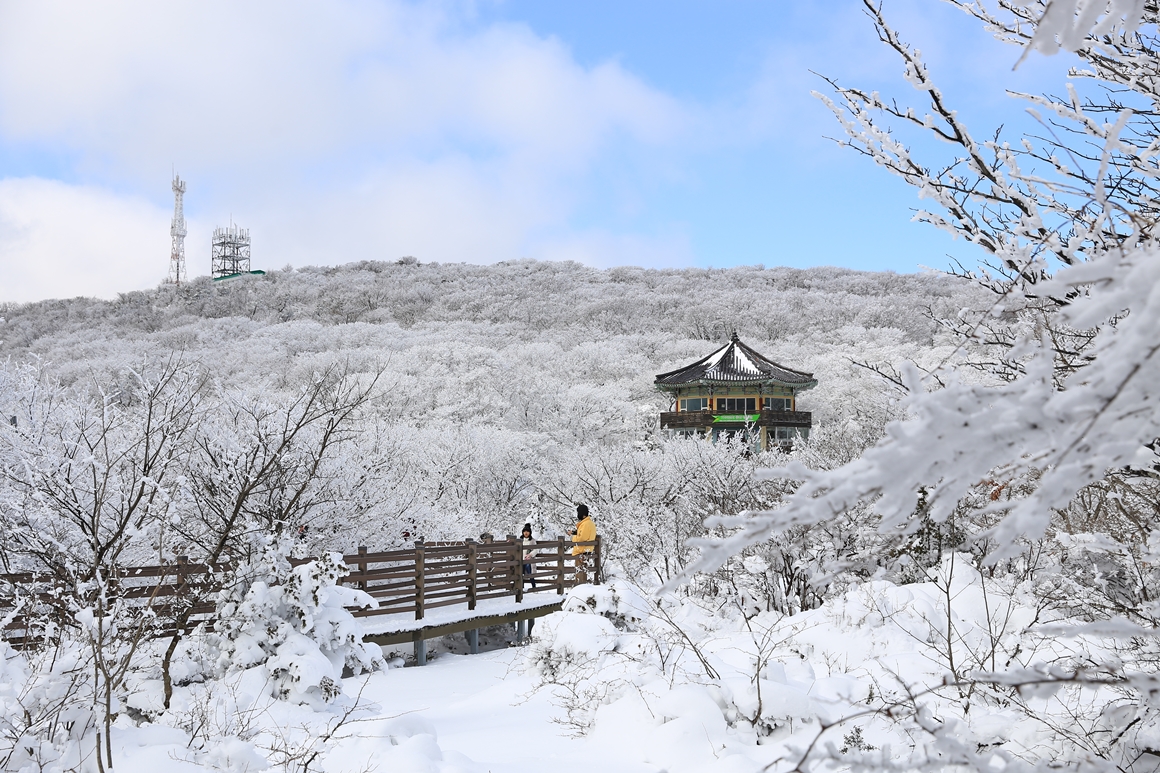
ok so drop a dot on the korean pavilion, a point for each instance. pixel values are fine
(737, 391)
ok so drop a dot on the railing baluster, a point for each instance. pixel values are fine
(182, 584)
(517, 548)
(420, 579)
(596, 562)
(471, 575)
(560, 566)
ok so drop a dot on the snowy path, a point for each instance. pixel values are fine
(478, 707)
(481, 708)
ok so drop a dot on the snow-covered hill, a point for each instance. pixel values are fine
(505, 389)
(377, 403)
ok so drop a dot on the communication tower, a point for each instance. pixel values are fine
(177, 232)
(231, 251)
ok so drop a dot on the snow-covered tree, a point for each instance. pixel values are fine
(1068, 409)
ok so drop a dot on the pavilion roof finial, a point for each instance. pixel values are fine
(735, 338)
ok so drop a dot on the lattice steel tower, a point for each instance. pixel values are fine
(177, 232)
(231, 251)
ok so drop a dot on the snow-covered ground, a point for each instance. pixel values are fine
(611, 685)
(459, 713)
(480, 708)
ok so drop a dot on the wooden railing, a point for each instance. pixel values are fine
(429, 576)
(441, 575)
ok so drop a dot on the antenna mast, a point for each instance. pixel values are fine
(230, 252)
(177, 231)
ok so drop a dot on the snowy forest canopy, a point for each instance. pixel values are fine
(502, 386)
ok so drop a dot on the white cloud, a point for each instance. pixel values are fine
(77, 240)
(336, 131)
(220, 84)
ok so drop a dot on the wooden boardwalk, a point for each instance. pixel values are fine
(424, 592)
(467, 578)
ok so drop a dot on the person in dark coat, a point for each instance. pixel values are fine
(526, 536)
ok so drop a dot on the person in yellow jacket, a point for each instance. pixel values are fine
(585, 531)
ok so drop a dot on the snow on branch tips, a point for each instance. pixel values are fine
(1067, 24)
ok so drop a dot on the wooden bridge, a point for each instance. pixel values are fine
(431, 590)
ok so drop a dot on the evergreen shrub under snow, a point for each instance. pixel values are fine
(296, 622)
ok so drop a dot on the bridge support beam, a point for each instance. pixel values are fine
(521, 631)
(470, 626)
(420, 652)
(473, 641)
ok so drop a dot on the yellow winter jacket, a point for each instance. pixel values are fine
(585, 532)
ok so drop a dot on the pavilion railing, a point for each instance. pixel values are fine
(706, 419)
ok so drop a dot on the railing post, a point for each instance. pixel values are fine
(182, 586)
(420, 578)
(560, 565)
(596, 562)
(472, 586)
(518, 555)
(182, 578)
(182, 568)
(362, 567)
(420, 649)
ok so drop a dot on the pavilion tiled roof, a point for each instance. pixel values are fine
(736, 363)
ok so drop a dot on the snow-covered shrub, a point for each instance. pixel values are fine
(1100, 577)
(294, 621)
(572, 650)
(221, 718)
(619, 602)
(46, 713)
(672, 668)
(794, 571)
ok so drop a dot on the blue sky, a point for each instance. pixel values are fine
(651, 133)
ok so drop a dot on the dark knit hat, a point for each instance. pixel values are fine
(581, 511)
(527, 528)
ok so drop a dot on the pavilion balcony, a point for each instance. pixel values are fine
(708, 419)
